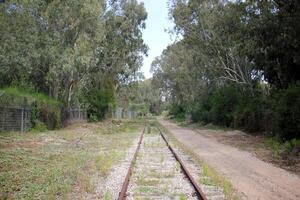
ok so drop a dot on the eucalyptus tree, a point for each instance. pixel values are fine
(22, 37)
(77, 29)
(119, 55)
(200, 24)
(66, 48)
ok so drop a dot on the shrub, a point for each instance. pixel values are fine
(99, 101)
(286, 112)
(223, 103)
(39, 126)
(93, 118)
(177, 111)
(43, 108)
(232, 106)
(250, 111)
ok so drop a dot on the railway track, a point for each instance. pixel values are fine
(158, 172)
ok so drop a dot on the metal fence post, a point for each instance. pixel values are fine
(22, 119)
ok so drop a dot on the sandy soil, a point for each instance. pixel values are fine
(256, 145)
(251, 177)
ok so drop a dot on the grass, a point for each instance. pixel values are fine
(147, 182)
(105, 160)
(217, 179)
(108, 196)
(210, 126)
(61, 164)
(182, 197)
(286, 148)
(19, 95)
(214, 178)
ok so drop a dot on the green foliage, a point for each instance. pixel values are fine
(276, 24)
(177, 111)
(99, 101)
(38, 127)
(252, 110)
(286, 104)
(237, 65)
(15, 96)
(43, 108)
(223, 102)
(290, 147)
(93, 118)
(62, 48)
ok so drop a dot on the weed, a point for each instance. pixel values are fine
(104, 161)
(51, 166)
(182, 197)
(108, 196)
(288, 148)
(39, 126)
(274, 144)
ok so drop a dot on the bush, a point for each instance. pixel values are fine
(99, 101)
(287, 148)
(286, 112)
(232, 106)
(177, 111)
(93, 118)
(250, 111)
(43, 108)
(292, 147)
(223, 103)
(217, 106)
(39, 126)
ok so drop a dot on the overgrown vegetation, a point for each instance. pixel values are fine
(79, 53)
(45, 111)
(236, 65)
(61, 164)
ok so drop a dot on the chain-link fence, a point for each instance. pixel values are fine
(77, 114)
(15, 119)
(19, 119)
(121, 113)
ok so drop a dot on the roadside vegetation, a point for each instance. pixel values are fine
(236, 66)
(63, 164)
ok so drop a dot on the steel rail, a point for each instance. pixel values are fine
(122, 194)
(199, 192)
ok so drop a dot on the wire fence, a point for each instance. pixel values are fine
(19, 119)
(77, 114)
(15, 119)
(121, 113)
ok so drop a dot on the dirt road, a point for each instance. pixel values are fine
(253, 178)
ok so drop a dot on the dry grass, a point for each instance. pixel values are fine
(61, 164)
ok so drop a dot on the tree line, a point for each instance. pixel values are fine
(75, 52)
(235, 64)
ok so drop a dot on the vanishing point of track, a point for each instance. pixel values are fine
(123, 193)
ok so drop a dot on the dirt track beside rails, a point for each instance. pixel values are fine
(251, 177)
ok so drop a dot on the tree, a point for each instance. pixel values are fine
(69, 48)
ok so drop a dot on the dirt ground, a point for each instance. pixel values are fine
(250, 176)
(256, 145)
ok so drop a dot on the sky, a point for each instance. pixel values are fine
(155, 35)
